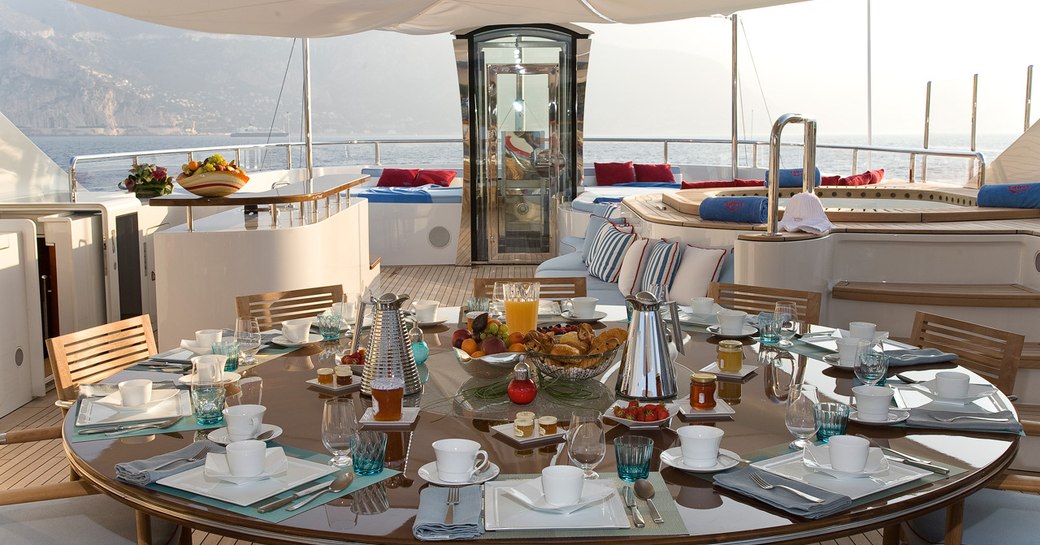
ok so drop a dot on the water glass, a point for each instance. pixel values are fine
(328, 325)
(207, 402)
(871, 367)
(338, 425)
(833, 418)
(586, 441)
(768, 328)
(247, 334)
(229, 349)
(368, 449)
(633, 456)
(786, 315)
(800, 416)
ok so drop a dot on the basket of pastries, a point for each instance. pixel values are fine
(577, 355)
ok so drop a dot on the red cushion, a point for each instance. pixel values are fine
(877, 175)
(723, 183)
(397, 177)
(867, 178)
(830, 180)
(439, 177)
(652, 173)
(614, 173)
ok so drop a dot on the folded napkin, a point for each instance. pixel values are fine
(740, 481)
(804, 212)
(917, 356)
(429, 520)
(140, 472)
(601, 200)
(921, 417)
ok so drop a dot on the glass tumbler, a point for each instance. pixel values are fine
(368, 449)
(633, 454)
(768, 328)
(833, 418)
(207, 401)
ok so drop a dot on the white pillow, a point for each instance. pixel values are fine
(699, 267)
(633, 266)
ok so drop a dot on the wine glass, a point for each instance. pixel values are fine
(497, 305)
(871, 366)
(338, 424)
(586, 441)
(801, 415)
(247, 335)
(786, 313)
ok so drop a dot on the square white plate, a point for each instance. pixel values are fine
(791, 467)
(408, 416)
(503, 512)
(505, 431)
(91, 412)
(745, 370)
(195, 481)
(831, 343)
(687, 412)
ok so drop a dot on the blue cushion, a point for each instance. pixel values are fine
(1010, 195)
(607, 251)
(990, 517)
(792, 177)
(738, 209)
(595, 223)
(662, 265)
(571, 264)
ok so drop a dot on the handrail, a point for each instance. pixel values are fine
(808, 164)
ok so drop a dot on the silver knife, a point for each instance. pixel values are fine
(158, 424)
(271, 506)
(919, 463)
(630, 501)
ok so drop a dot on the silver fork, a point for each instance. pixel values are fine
(185, 460)
(949, 419)
(453, 500)
(758, 480)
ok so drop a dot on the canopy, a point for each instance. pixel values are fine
(321, 18)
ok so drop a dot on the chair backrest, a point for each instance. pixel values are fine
(98, 352)
(272, 308)
(551, 288)
(755, 299)
(992, 353)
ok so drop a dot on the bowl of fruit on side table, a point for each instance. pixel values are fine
(489, 349)
(214, 177)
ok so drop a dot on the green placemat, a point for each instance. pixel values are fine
(279, 515)
(672, 525)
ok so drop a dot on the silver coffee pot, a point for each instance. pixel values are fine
(389, 352)
(646, 369)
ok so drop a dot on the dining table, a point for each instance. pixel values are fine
(450, 406)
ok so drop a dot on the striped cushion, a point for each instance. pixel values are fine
(662, 264)
(596, 221)
(608, 250)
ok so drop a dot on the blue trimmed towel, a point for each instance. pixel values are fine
(1010, 195)
(792, 177)
(737, 209)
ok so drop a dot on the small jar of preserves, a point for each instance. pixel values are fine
(730, 356)
(702, 391)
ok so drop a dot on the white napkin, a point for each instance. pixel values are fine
(530, 494)
(804, 212)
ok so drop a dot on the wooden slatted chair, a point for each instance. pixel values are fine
(564, 287)
(272, 308)
(990, 352)
(755, 299)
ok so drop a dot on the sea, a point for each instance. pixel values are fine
(96, 174)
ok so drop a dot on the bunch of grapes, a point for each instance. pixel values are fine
(495, 329)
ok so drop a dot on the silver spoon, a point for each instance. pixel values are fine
(265, 436)
(645, 491)
(338, 485)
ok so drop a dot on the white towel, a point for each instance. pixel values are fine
(804, 212)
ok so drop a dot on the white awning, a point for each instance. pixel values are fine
(321, 18)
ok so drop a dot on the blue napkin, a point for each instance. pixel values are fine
(922, 417)
(738, 209)
(141, 472)
(1010, 195)
(740, 481)
(429, 520)
(917, 356)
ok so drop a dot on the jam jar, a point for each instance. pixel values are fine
(702, 391)
(730, 356)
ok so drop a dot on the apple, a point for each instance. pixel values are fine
(459, 336)
(493, 345)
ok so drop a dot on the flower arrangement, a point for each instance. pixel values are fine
(148, 180)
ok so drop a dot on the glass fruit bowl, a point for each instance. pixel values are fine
(490, 366)
(574, 367)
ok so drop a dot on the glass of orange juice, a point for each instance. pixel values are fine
(521, 305)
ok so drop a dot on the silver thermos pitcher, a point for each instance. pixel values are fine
(389, 352)
(646, 369)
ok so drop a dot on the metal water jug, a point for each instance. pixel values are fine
(389, 352)
(646, 370)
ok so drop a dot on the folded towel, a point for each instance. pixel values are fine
(140, 472)
(804, 212)
(602, 200)
(738, 209)
(1010, 195)
(429, 520)
(921, 417)
(740, 481)
(917, 356)
(792, 177)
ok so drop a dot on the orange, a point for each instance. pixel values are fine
(478, 354)
(469, 346)
(516, 337)
(517, 347)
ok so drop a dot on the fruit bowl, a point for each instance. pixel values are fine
(574, 367)
(212, 184)
(490, 366)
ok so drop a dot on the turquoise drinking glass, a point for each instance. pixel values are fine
(229, 349)
(833, 418)
(768, 328)
(328, 326)
(368, 449)
(633, 454)
(207, 402)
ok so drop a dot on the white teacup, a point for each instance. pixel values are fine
(244, 421)
(848, 350)
(426, 311)
(583, 307)
(702, 305)
(700, 445)
(872, 402)
(246, 458)
(848, 452)
(562, 485)
(208, 368)
(297, 330)
(457, 459)
(136, 392)
(208, 337)
(731, 322)
(951, 384)
(862, 330)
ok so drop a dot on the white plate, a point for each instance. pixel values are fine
(530, 494)
(220, 435)
(746, 332)
(354, 385)
(216, 467)
(834, 361)
(975, 391)
(745, 370)
(506, 431)
(791, 467)
(596, 316)
(818, 458)
(673, 458)
(408, 416)
(176, 356)
(698, 319)
(195, 348)
(895, 416)
(299, 472)
(226, 376)
(92, 413)
(115, 400)
(432, 324)
(831, 342)
(673, 410)
(429, 474)
(687, 412)
(281, 340)
(503, 512)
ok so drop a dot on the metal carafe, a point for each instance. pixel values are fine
(646, 369)
(389, 352)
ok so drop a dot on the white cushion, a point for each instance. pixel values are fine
(86, 519)
(698, 268)
(632, 267)
(608, 250)
(662, 264)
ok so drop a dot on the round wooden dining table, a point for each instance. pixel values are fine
(448, 409)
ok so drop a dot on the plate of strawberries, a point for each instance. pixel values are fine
(638, 415)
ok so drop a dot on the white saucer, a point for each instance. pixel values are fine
(283, 341)
(818, 458)
(746, 332)
(226, 376)
(428, 473)
(115, 401)
(745, 370)
(835, 361)
(220, 435)
(596, 316)
(895, 416)
(217, 467)
(673, 458)
(432, 324)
